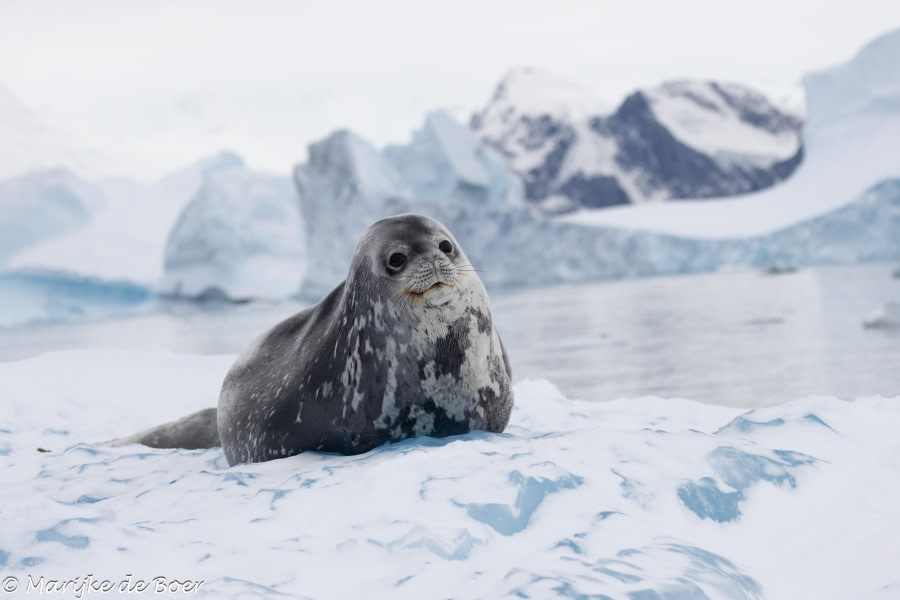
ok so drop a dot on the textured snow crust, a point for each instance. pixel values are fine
(634, 498)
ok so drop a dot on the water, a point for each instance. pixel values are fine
(737, 339)
(742, 339)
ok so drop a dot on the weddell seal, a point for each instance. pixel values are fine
(404, 347)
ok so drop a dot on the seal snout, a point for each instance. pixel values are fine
(432, 273)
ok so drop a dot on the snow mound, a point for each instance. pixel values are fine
(647, 497)
(240, 237)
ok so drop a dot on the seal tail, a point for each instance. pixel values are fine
(193, 432)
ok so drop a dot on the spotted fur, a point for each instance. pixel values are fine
(385, 356)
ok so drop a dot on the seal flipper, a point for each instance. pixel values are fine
(193, 432)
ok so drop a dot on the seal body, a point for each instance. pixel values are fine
(405, 346)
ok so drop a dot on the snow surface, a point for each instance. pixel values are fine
(850, 144)
(638, 498)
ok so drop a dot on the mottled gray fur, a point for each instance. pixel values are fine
(387, 355)
(197, 430)
(383, 357)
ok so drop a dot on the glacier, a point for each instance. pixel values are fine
(632, 498)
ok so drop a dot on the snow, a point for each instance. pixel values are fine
(642, 497)
(533, 92)
(241, 237)
(850, 145)
(516, 247)
(700, 117)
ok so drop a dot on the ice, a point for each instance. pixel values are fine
(345, 186)
(125, 238)
(446, 165)
(640, 498)
(886, 316)
(39, 296)
(43, 205)
(515, 246)
(240, 237)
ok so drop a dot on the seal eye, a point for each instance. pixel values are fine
(397, 260)
(446, 247)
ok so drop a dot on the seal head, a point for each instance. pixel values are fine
(405, 346)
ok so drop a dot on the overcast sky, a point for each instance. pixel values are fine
(169, 81)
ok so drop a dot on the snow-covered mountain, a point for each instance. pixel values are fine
(850, 144)
(682, 139)
(444, 173)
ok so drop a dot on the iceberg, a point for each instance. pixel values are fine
(886, 316)
(240, 237)
(124, 238)
(444, 173)
(345, 186)
(42, 205)
(632, 498)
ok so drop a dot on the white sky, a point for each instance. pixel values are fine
(159, 83)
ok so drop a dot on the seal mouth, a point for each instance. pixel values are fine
(436, 286)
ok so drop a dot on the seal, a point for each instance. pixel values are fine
(404, 347)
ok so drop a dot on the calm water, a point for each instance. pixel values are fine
(737, 338)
